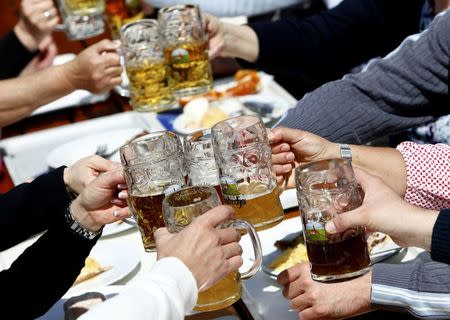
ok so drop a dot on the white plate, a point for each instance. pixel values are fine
(291, 227)
(280, 106)
(115, 228)
(288, 199)
(121, 257)
(56, 312)
(70, 152)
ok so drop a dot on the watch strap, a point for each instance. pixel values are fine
(346, 152)
(77, 227)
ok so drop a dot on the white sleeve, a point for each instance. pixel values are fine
(167, 291)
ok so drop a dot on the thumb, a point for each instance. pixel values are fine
(288, 135)
(109, 179)
(216, 216)
(105, 45)
(345, 221)
(101, 164)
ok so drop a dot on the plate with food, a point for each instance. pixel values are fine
(286, 247)
(199, 113)
(108, 262)
(73, 304)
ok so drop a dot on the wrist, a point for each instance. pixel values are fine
(67, 74)
(241, 42)
(83, 217)
(27, 40)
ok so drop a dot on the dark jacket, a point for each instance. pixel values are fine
(48, 268)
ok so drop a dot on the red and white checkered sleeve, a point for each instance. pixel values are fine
(428, 174)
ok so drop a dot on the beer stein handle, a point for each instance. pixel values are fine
(244, 225)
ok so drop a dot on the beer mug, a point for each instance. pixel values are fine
(325, 189)
(82, 19)
(244, 158)
(200, 162)
(153, 167)
(185, 50)
(145, 67)
(180, 209)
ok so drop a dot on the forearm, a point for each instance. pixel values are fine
(421, 287)
(20, 96)
(156, 294)
(240, 42)
(51, 264)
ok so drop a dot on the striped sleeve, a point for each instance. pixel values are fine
(421, 287)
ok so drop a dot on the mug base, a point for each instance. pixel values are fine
(326, 278)
(268, 224)
(190, 92)
(218, 304)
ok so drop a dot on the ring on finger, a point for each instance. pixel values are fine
(116, 213)
(48, 15)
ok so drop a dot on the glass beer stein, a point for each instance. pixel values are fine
(145, 67)
(82, 19)
(200, 162)
(153, 168)
(325, 189)
(244, 158)
(180, 209)
(185, 50)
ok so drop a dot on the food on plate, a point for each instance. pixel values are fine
(91, 269)
(200, 113)
(247, 82)
(290, 243)
(76, 306)
(289, 258)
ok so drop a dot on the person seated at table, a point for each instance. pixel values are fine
(96, 69)
(48, 268)
(30, 42)
(419, 174)
(407, 88)
(188, 262)
(305, 53)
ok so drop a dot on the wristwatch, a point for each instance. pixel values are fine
(78, 228)
(346, 152)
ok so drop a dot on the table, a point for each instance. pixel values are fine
(115, 104)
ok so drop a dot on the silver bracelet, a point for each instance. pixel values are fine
(77, 227)
(346, 152)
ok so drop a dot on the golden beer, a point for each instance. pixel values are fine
(254, 203)
(189, 71)
(84, 7)
(222, 294)
(148, 86)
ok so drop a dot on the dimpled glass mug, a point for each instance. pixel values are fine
(244, 158)
(325, 189)
(145, 67)
(82, 19)
(153, 166)
(200, 162)
(180, 209)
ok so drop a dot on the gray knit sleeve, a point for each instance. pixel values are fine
(407, 88)
(421, 286)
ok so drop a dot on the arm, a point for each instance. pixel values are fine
(405, 89)
(420, 286)
(96, 69)
(156, 294)
(44, 272)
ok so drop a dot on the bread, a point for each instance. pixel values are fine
(289, 258)
(91, 269)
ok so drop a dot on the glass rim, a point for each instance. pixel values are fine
(210, 189)
(167, 9)
(255, 120)
(197, 134)
(308, 167)
(149, 22)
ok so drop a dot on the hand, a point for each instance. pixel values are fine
(317, 300)
(82, 172)
(96, 69)
(209, 252)
(48, 52)
(37, 20)
(384, 210)
(102, 201)
(291, 147)
(229, 40)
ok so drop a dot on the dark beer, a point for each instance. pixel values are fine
(340, 257)
(147, 211)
